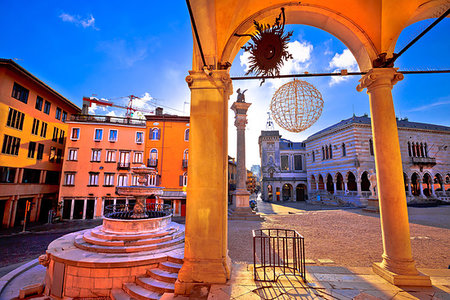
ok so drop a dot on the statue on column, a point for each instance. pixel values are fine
(240, 96)
(373, 182)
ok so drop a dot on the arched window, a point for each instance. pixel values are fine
(326, 152)
(313, 156)
(154, 154)
(184, 179)
(186, 135)
(409, 148)
(413, 149)
(323, 153)
(154, 134)
(186, 154)
(426, 149)
(371, 147)
(344, 152)
(331, 152)
(421, 150)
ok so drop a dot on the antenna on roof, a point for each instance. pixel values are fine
(269, 123)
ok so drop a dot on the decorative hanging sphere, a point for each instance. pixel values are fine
(296, 105)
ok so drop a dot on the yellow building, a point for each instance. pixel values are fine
(32, 138)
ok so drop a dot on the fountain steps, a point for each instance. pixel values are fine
(91, 239)
(82, 244)
(99, 233)
(170, 266)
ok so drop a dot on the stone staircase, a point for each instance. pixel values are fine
(154, 284)
(244, 214)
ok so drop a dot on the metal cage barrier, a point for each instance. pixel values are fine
(279, 252)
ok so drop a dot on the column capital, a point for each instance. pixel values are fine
(378, 77)
(219, 79)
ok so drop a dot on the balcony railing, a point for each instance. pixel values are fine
(423, 160)
(185, 163)
(107, 119)
(152, 163)
(123, 166)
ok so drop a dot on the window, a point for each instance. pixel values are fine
(95, 155)
(75, 134)
(58, 155)
(110, 155)
(52, 156)
(15, 119)
(44, 130)
(11, 145)
(73, 153)
(371, 147)
(135, 180)
(186, 135)
(31, 149)
(139, 137)
(40, 151)
(138, 157)
(109, 179)
(7, 175)
(112, 135)
(183, 179)
(186, 154)
(39, 102)
(31, 176)
(122, 180)
(52, 177)
(153, 154)
(47, 106)
(55, 134)
(124, 157)
(284, 162)
(409, 148)
(58, 113)
(297, 162)
(313, 156)
(20, 93)
(323, 153)
(35, 128)
(69, 178)
(64, 116)
(344, 151)
(426, 149)
(98, 135)
(61, 137)
(154, 134)
(151, 180)
(331, 152)
(93, 179)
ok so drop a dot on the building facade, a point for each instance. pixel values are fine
(340, 160)
(167, 149)
(33, 133)
(100, 152)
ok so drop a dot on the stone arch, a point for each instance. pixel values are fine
(438, 182)
(339, 179)
(415, 179)
(427, 180)
(286, 192)
(330, 185)
(351, 181)
(447, 182)
(321, 182)
(301, 192)
(313, 182)
(327, 19)
(365, 183)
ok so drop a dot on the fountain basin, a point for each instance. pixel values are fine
(135, 226)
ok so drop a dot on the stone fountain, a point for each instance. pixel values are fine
(135, 253)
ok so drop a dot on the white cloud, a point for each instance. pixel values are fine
(77, 20)
(111, 114)
(125, 53)
(440, 102)
(94, 108)
(346, 60)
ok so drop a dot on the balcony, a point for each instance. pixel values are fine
(123, 166)
(430, 161)
(185, 163)
(152, 163)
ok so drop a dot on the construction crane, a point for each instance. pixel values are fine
(87, 102)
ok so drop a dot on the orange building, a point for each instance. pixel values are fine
(251, 182)
(100, 152)
(167, 149)
(33, 132)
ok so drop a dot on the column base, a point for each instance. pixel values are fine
(372, 205)
(202, 272)
(399, 279)
(241, 198)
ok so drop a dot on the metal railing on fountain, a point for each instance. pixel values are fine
(126, 211)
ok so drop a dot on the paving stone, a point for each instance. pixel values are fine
(325, 261)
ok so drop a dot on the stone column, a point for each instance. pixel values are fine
(206, 259)
(345, 186)
(241, 194)
(84, 208)
(358, 187)
(72, 207)
(421, 188)
(317, 185)
(334, 187)
(398, 266)
(432, 188)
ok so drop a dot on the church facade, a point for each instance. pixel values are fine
(338, 162)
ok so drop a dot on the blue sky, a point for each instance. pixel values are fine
(113, 49)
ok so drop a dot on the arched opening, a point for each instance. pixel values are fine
(301, 192)
(321, 184)
(426, 185)
(351, 182)
(405, 181)
(447, 182)
(313, 182)
(339, 182)
(330, 185)
(186, 135)
(287, 192)
(154, 134)
(438, 184)
(415, 189)
(365, 183)
(269, 193)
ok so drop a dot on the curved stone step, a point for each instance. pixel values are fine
(178, 259)
(162, 275)
(170, 266)
(155, 285)
(119, 294)
(98, 233)
(139, 292)
(87, 236)
(80, 243)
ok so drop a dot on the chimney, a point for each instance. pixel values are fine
(159, 111)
